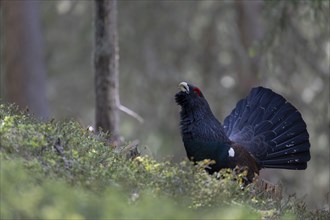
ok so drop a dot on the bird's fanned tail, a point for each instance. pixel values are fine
(271, 129)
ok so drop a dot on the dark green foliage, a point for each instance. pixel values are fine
(89, 180)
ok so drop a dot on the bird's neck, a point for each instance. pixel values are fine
(200, 124)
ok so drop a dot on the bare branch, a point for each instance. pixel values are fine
(131, 113)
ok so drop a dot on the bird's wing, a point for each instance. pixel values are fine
(271, 129)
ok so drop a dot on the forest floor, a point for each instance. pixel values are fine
(60, 170)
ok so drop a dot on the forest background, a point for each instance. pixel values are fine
(224, 47)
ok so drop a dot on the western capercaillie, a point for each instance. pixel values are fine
(262, 131)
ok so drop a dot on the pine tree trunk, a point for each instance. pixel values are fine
(250, 32)
(24, 67)
(106, 67)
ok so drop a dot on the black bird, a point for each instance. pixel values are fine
(263, 131)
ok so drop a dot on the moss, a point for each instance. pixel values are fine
(61, 170)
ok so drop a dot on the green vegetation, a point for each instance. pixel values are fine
(83, 178)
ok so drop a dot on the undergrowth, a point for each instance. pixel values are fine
(60, 170)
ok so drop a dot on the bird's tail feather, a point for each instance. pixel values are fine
(271, 129)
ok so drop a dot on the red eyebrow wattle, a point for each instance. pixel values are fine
(198, 91)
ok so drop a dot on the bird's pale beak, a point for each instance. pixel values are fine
(184, 87)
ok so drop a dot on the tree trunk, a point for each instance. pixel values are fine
(106, 68)
(250, 32)
(25, 72)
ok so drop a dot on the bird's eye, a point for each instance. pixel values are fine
(197, 91)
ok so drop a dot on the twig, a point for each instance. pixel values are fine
(131, 150)
(131, 113)
(60, 151)
(58, 147)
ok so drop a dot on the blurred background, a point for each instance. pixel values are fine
(224, 47)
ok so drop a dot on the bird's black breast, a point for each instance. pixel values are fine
(198, 150)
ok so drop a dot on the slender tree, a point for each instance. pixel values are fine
(106, 67)
(25, 72)
(251, 32)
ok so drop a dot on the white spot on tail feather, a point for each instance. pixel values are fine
(231, 152)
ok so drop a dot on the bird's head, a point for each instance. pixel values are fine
(190, 97)
(197, 120)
